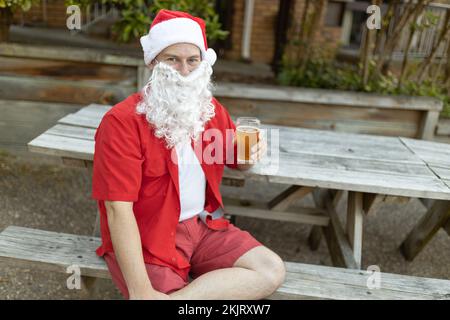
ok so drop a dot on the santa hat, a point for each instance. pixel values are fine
(171, 27)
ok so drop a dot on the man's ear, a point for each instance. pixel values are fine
(152, 64)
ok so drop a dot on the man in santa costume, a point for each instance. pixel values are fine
(156, 179)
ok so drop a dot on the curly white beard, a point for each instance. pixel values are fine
(178, 107)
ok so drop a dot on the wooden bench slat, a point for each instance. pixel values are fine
(63, 146)
(51, 250)
(325, 282)
(80, 120)
(82, 133)
(54, 251)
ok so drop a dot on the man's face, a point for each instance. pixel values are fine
(183, 57)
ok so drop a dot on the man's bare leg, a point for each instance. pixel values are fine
(255, 275)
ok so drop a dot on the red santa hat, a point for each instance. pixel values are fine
(171, 27)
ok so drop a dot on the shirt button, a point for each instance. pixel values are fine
(173, 259)
(172, 234)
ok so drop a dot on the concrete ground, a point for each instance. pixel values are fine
(39, 193)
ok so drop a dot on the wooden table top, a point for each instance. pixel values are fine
(307, 157)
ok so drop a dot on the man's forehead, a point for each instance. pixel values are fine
(175, 54)
(181, 50)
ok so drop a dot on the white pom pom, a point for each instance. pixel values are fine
(211, 56)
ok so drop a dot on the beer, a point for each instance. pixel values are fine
(247, 135)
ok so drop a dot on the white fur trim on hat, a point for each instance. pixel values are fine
(173, 31)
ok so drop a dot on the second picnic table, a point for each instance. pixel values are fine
(324, 163)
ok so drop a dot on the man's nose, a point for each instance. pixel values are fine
(184, 69)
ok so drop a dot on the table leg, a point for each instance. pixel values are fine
(285, 199)
(338, 245)
(447, 227)
(435, 218)
(315, 236)
(355, 224)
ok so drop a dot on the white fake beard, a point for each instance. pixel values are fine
(178, 107)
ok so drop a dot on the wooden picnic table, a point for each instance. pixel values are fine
(324, 163)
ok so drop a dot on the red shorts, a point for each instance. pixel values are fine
(204, 248)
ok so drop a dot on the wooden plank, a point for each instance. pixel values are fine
(432, 153)
(51, 251)
(54, 252)
(65, 70)
(447, 227)
(396, 199)
(66, 54)
(331, 97)
(427, 202)
(71, 131)
(406, 176)
(337, 197)
(338, 245)
(80, 120)
(315, 237)
(355, 224)
(435, 218)
(67, 91)
(323, 282)
(302, 215)
(325, 117)
(361, 176)
(63, 146)
(306, 171)
(95, 110)
(285, 199)
(428, 125)
(21, 121)
(371, 201)
(339, 144)
(441, 172)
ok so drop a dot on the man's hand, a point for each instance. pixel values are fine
(257, 152)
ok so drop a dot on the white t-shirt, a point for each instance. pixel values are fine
(192, 182)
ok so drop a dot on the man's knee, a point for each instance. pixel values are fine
(268, 264)
(275, 271)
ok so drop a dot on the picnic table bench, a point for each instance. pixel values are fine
(55, 252)
(325, 164)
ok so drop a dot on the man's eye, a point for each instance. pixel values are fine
(171, 59)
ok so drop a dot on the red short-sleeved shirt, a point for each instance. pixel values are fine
(131, 164)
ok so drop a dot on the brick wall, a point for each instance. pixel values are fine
(262, 46)
(54, 17)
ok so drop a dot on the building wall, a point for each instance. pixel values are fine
(262, 47)
(53, 17)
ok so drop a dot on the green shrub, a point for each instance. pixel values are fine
(137, 15)
(330, 74)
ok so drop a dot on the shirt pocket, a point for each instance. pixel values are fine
(155, 177)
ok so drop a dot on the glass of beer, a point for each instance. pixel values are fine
(247, 135)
